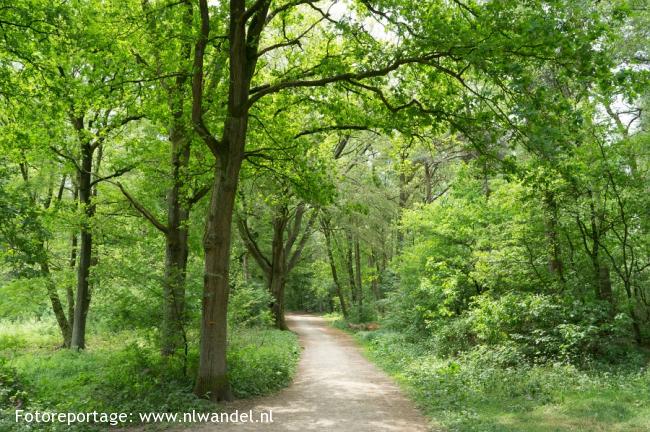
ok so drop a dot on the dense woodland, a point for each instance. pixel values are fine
(473, 176)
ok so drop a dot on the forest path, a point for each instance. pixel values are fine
(335, 389)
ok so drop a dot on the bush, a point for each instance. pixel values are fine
(12, 394)
(127, 374)
(262, 361)
(495, 388)
(548, 328)
(249, 305)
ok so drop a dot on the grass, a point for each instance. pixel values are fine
(123, 372)
(475, 393)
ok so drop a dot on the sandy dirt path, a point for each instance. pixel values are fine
(335, 389)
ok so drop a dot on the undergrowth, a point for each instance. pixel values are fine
(125, 373)
(490, 389)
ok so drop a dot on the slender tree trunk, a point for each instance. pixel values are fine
(428, 182)
(374, 262)
(605, 283)
(403, 199)
(176, 248)
(335, 277)
(244, 267)
(555, 265)
(357, 265)
(349, 264)
(278, 270)
(82, 302)
(57, 306)
(636, 328)
(69, 288)
(172, 334)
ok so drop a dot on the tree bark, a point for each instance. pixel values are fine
(278, 271)
(359, 286)
(57, 306)
(70, 289)
(82, 301)
(212, 380)
(176, 245)
(335, 277)
(349, 264)
(374, 262)
(555, 265)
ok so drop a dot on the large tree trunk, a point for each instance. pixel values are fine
(277, 291)
(212, 379)
(85, 250)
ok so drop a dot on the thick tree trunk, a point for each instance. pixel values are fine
(85, 250)
(212, 380)
(277, 291)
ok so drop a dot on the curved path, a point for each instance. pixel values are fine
(335, 389)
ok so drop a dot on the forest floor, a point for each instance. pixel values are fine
(335, 389)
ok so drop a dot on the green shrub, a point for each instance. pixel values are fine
(249, 305)
(262, 361)
(125, 373)
(12, 394)
(496, 389)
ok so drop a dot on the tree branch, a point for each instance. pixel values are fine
(139, 207)
(252, 247)
(117, 173)
(331, 128)
(197, 81)
(266, 89)
(303, 241)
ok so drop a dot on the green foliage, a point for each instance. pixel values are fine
(262, 361)
(249, 305)
(125, 373)
(12, 395)
(494, 389)
(23, 298)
